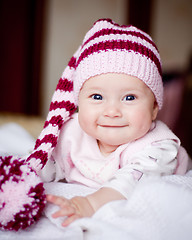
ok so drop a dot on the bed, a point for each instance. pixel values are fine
(160, 208)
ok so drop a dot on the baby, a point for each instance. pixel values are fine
(114, 140)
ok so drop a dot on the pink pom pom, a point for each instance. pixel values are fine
(22, 197)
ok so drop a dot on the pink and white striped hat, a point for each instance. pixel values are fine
(107, 48)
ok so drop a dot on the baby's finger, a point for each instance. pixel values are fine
(70, 219)
(60, 201)
(66, 211)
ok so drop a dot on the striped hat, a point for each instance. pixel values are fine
(107, 48)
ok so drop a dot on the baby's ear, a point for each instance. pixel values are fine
(155, 110)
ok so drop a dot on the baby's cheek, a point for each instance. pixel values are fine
(142, 121)
(84, 123)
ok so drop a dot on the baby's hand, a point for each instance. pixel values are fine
(73, 209)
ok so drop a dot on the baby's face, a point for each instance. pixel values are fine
(116, 109)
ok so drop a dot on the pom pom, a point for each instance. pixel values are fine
(22, 197)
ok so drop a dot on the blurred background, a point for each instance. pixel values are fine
(38, 38)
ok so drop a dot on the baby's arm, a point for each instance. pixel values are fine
(103, 196)
(79, 207)
(156, 160)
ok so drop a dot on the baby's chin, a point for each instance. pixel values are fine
(113, 144)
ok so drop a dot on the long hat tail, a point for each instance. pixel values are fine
(62, 106)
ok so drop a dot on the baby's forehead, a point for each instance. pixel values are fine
(114, 80)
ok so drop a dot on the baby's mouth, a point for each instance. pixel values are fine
(112, 126)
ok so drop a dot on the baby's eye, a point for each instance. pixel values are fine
(96, 97)
(129, 98)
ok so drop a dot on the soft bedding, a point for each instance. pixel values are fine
(160, 208)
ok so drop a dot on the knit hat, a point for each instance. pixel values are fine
(106, 48)
(110, 48)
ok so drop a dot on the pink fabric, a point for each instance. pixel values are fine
(81, 161)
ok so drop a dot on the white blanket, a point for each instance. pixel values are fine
(159, 209)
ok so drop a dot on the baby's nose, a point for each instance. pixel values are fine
(112, 110)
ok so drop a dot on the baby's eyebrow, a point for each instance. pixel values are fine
(94, 89)
(129, 90)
